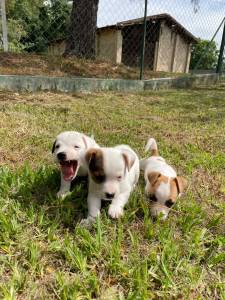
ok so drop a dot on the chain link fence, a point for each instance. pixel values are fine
(109, 39)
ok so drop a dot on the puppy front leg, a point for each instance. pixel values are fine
(64, 188)
(117, 205)
(94, 206)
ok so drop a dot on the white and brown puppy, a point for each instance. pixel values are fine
(163, 186)
(67, 149)
(113, 174)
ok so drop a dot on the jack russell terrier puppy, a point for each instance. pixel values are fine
(113, 174)
(163, 186)
(67, 151)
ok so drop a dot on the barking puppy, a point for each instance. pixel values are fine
(67, 149)
(163, 186)
(113, 173)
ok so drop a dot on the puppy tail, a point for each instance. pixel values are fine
(152, 146)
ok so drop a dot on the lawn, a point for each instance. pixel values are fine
(44, 254)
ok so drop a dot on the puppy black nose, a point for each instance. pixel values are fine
(109, 195)
(61, 156)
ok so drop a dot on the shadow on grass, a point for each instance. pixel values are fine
(36, 190)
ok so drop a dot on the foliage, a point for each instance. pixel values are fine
(33, 24)
(204, 55)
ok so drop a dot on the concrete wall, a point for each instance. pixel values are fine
(172, 52)
(109, 45)
(70, 84)
(165, 49)
(181, 57)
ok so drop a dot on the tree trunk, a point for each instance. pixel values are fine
(83, 24)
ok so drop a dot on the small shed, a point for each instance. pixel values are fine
(168, 43)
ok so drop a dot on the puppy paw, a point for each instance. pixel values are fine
(88, 222)
(159, 211)
(115, 211)
(62, 194)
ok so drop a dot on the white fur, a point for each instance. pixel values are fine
(151, 145)
(157, 164)
(73, 144)
(114, 166)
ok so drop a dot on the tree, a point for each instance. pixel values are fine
(204, 55)
(83, 24)
(33, 24)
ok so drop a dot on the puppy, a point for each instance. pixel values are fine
(163, 186)
(67, 150)
(113, 174)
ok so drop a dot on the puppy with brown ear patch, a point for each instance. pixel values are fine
(163, 186)
(113, 174)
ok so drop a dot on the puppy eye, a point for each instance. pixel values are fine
(57, 146)
(119, 178)
(76, 147)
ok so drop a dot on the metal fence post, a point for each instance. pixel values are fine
(4, 26)
(220, 59)
(143, 41)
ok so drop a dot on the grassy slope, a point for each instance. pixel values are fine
(31, 64)
(43, 255)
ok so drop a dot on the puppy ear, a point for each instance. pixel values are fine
(90, 155)
(129, 159)
(153, 177)
(94, 159)
(53, 146)
(85, 142)
(182, 183)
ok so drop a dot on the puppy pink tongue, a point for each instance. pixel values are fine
(68, 170)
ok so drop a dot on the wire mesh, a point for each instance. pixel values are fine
(105, 38)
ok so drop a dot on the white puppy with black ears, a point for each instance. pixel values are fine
(113, 174)
(163, 186)
(68, 149)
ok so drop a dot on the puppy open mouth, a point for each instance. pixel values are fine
(69, 169)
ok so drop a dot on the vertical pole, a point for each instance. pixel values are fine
(143, 41)
(4, 26)
(220, 59)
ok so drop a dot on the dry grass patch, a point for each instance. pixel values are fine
(31, 64)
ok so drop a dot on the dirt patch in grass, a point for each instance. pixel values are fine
(31, 64)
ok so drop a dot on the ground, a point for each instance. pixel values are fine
(32, 64)
(44, 254)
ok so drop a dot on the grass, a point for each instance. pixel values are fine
(45, 255)
(31, 64)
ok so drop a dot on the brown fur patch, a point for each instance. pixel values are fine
(182, 183)
(173, 190)
(154, 152)
(94, 158)
(128, 161)
(156, 178)
(177, 186)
